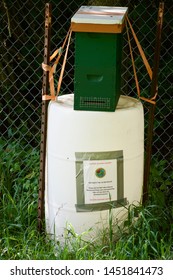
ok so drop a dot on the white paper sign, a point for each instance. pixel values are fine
(100, 180)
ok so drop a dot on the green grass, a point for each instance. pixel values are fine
(147, 233)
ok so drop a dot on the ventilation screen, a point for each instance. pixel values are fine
(95, 102)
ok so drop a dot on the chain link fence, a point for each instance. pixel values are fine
(21, 51)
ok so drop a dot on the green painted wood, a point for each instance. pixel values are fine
(97, 71)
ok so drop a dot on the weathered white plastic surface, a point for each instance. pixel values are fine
(100, 15)
(72, 131)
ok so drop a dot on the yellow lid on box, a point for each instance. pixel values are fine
(104, 19)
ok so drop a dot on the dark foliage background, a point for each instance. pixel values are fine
(21, 51)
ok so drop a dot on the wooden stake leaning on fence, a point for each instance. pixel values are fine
(154, 90)
(44, 117)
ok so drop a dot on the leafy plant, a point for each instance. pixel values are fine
(145, 234)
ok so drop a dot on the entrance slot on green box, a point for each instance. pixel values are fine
(98, 52)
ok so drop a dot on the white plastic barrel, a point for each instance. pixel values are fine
(94, 164)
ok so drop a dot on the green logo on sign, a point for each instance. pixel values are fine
(100, 172)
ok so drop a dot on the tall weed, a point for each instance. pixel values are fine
(147, 233)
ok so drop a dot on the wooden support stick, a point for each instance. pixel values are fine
(44, 117)
(154, 89)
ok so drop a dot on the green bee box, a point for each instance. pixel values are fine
(98, 50)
